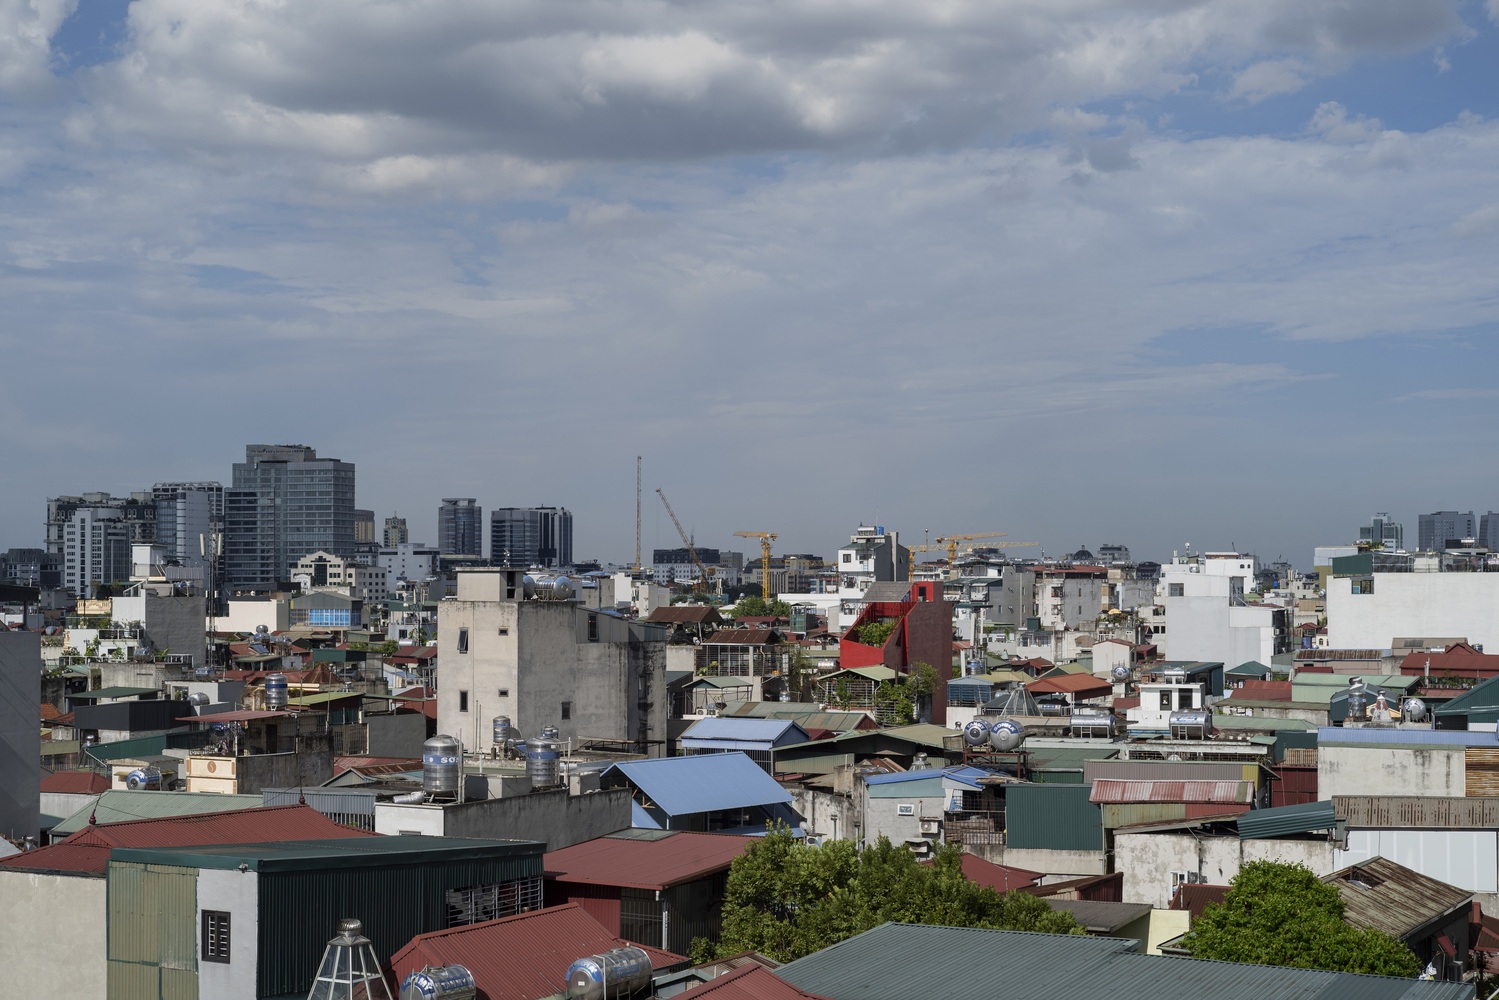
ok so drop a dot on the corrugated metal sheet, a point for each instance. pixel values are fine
(1110, 790)
(1392, 898)
(752, 982)
(520, 957)
(1297, 785)
(1169, 770)
(116, 806)
(681, 786)
(901, 961)
(1057, 817)
(152, 930)
(1417, 812)
(645, 864)
(1481, 770)
(773, 732)
(1335, 735)
(1286, 821)
(601, 902)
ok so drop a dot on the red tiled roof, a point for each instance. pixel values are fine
(520, 957)
(75, 783)
(1460, 658)
(1264, 690)
(645, 864)
(50, 713)
(87, 851)
(752, 982)
(1078, 684)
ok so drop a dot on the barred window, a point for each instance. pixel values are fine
(215, 936)
(475, 904)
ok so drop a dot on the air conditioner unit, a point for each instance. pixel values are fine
(932, 826)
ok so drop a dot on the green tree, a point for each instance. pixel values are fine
(389, 647)
(875, 633)
(786, 899)
(755, 606)
(1282, 914)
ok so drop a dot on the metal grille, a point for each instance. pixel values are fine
(215, 936)
(640, 917)
(477, 903)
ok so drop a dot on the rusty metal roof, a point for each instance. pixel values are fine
(1114, 790)
(750, 982)
(1390, 897)
(520, 957)
(75, 783)
(1438, 812)
(645, 864)
(1080, 684)
(87, 851)
(685, 614)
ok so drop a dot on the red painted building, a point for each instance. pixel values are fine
(922, 634)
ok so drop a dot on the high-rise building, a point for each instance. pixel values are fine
(531, 536)
(138, 511)
(460, 527)
(1488, 530)
(187, 517)
(395, 532)
(1436, 530)
(1381, 532)
(284, 503)
(92, 535)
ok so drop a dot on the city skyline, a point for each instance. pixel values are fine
(1137, 273)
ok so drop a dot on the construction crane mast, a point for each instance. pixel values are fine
(637, 517)
(705, 575)
(952, 541)
(766, 537)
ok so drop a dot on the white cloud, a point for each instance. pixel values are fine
(1270, 79)
(1479, 222)
(26, 30)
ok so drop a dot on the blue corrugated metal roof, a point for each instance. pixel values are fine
(897, 776)
(968, 775)
(717, 730)
(681, 786)
(1389, 736)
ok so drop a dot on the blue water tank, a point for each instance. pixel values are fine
(143, 778)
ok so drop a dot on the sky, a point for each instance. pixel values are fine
(1147, 272)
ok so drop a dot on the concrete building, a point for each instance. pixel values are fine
(531, 536)
(324, 569)
(871, 556)
(96, 550)
(1381, 532)
(137, 510)
(409, 561)
(20, 694)
(395, 532)
(1488, 531)
(284, 503)
(1370, 612)
(188, 515)
(542, 662)
(1208, 617)
(1438, 530)
(460, 527)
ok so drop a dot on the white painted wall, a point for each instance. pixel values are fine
(392, 819)
(1408, 604)
(237, 894)
(52, 932)
(1148, 859)
(1464, 858)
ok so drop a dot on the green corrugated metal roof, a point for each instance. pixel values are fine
(929, 787)
(1070, 758)
(1052, 816)
(1480, 696)
(321, 855)
(1249, 668)
(1286, 821)
(117, 805)
(722, 682)
(871, 673)
(1261, 722)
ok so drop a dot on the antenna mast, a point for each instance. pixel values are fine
(637, 515)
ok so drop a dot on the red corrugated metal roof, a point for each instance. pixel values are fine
(50, 713)
(1001, 878)
(645, 864)
(342, 764)
(752, 982)
(245, 716)
(520, 957)
(1194, 897)
(87, 851)
(75, 783)
(1118, 791)
(1264, 690)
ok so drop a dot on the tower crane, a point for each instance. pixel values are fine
(911, 566)
(705, 575)
(766, 537)
(952, 541)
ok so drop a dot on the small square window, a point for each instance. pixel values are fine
(567, 710)
(504, 630)
(463, 701)
(504, 692)
(215, 936)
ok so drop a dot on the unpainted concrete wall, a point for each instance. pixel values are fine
(553, 817)
(1376, 770)
(52, 933)
(1148, 859)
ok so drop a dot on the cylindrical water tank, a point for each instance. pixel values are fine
(618, 972)
(976, 733)
(547, 588)
(1005, 735)
(197, 699)
(275, 690)
(1413, 710)
(550, 733)
(543, 762)
(440, 982)
(1120, 672)
(203, 671)
(442, 765)
(1190, 725)
(1092, 724)
(143, 778)
(502, 729)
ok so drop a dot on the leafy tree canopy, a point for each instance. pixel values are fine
(1282, 914)
(786, 899)
(755, 606)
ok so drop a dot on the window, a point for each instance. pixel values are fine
(593, 628)
(1184, 698)
(848, 557)
(567, 710)
(904, 809)
(215, 936)
(463, 701)
(463, 640)
(1175, 590)
(503, 630)
(1165, 701)
(504, 692)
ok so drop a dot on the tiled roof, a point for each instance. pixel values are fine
(87, 851)
(645, 864)
(685, 614)
(50, 712)
(75, 783)
(751, 982)
(742, 637)
(521, 957)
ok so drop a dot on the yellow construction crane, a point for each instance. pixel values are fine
(766, 537)
(911, 565)
(705, 574)
(952, 541)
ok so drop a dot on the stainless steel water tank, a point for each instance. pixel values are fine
(543, 762)
(618, 972)
(440, 982)
(442, 765)
(143, 779)
(275, 690)
(976, 732)
(1005, 735)
(502, 730)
